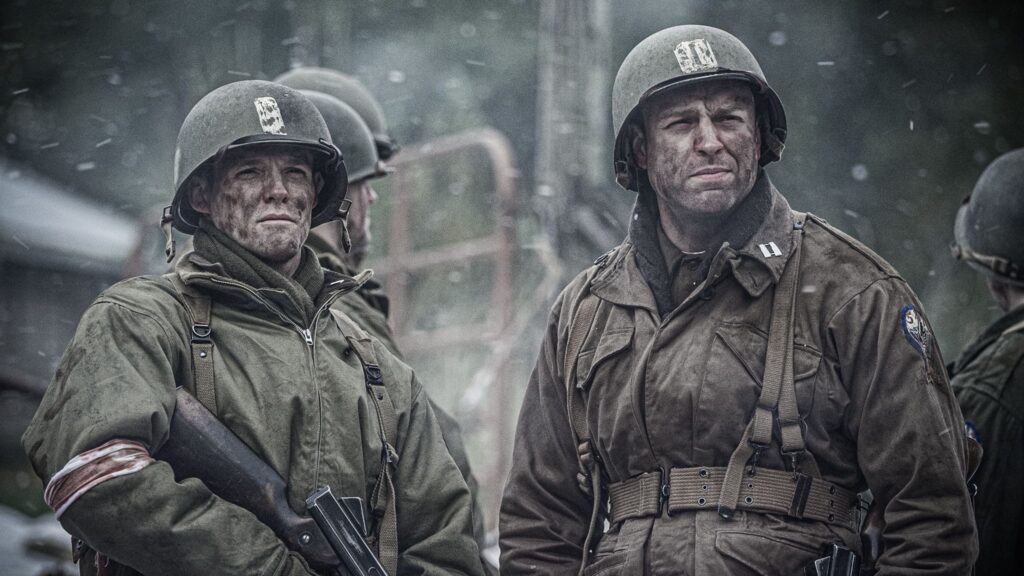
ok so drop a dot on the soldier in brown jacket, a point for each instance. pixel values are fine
(730, 377)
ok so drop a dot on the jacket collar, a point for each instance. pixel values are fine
(195, 270)
(759, 263)
(756, 264)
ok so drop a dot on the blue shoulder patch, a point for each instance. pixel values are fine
(972, 431)
(914, 329)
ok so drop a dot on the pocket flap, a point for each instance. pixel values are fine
(749, 347)
(610, 343)
(763, 554)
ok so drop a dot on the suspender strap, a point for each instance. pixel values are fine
(589, 477)
(769, 491)
(778, 392)
(198, 306)
(383, 497)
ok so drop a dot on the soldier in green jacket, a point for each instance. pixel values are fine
(360, 131)
(254, 171)
(988, 378)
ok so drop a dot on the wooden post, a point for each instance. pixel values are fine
(573, 152)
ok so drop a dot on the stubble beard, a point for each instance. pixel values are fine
(708, 204)
(267, 244)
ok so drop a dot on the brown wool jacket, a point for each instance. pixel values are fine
(676, 389)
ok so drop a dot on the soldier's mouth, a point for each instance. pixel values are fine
(278, 218)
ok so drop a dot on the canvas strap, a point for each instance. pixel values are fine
(778, 393)
(589, 476)
(198, 305)
(383, 498)
(769, 491)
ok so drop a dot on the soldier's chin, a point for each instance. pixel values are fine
(278, 253)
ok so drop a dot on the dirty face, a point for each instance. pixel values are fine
(700, 147)
(263, 198)
(363, 196)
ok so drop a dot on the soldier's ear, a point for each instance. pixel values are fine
(638, 145)
(318, 182)
(198, 194)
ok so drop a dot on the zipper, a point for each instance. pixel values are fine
(308, 335)
(266, 303)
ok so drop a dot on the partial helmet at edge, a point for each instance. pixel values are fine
(351, 135)
(684, 55)
(351, 92)
(255, 113)
(989, 228)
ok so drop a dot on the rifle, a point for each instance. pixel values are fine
(200, 446)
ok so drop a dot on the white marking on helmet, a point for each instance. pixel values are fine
(695, 56)
(270, 115)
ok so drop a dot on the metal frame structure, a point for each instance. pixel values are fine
(403, 259)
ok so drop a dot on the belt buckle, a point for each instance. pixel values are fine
(664, 491)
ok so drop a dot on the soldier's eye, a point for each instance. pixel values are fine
(678, 123)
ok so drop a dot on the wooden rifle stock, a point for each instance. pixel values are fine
(200, 446)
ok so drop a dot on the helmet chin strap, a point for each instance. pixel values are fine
(346, 239)
(165, 224)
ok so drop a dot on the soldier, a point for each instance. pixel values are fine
(244, 323)
(351, 92)
(724, 382)
(364, 142)
(988, 378)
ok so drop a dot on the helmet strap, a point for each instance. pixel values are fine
(346, 240)
(165, 224)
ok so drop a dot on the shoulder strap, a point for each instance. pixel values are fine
(1018, 327)
(383, 497)
(778, 393)
(198, 307)
(581, 322)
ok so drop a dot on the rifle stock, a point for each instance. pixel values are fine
(200, 446)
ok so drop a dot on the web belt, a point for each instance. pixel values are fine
(766, 491)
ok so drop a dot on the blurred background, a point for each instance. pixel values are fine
(504, 187)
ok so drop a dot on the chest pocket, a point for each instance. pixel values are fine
(732, 382)
(609, 344)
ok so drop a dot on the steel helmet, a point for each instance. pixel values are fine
(351, 92)
(989, 229)
(684, 55)
(351, 135)
(254, 113)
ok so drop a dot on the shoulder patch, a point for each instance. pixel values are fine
(914, 329)
(972, 431)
